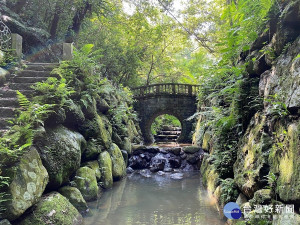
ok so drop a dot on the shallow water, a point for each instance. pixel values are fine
(138, 200)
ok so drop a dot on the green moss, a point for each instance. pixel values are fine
(53, 208)
(86, 182)
(94, 165)
(27, 184)
(105, 164)
(92, 151)
(284, 160)
(261, 197)
(60, 150)
(118, 163)
(206, 141)
(209, 175)
(191, 149)
(252, 157)
(75, 197)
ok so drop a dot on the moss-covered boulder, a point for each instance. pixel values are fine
(118, 163)
(74, 114)
(92, 151)
(105, 164)
(251, 165)
(60, 150)
(53, 208)
(284, 160)
(86, 182)
(28, 182)
(191, 149)
(102, 105)
(133, 133)
(126, 145)
(97, 129)
(125, 157)
(90, 110)
(75, 198)
(261, 197)
(94, 165)
(58, 116)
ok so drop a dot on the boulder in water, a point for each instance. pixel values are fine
(177, 176)
(53, 208)
(157, 164)
(106, 170)
(175, 162)
(118, 163)
(86, 182)
(94, 165)
(191, 149)
(75, 198)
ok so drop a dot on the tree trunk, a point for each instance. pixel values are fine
(79, 16)
(19, 6)
(54, 23)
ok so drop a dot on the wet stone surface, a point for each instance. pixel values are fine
(151, 160)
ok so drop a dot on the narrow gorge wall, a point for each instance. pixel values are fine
(266, 169)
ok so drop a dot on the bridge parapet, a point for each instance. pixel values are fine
(166, 89)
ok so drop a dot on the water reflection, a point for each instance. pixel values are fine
(137, 200)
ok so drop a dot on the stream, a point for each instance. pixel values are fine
(158, 199)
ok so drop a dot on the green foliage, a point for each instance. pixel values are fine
(21, 135)
(4, 197)
(52, 91)
(278, 108)
(271, 177)
(229, 191)
(9, 59)
(164, 120)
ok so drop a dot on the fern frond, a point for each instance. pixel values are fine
(23, 101)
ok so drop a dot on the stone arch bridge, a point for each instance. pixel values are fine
(178, 100)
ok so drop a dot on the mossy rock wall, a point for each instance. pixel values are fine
(210, 177)
(284, 160)
(252, 157)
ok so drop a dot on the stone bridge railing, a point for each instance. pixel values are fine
(165, 89)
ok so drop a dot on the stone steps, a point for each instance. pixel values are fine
(34, 73)
(7, 111)
(5, 122)
(21, 81)
(28, 79)
(9, 102)
(20, 86)
(41, 66)
(167, 134)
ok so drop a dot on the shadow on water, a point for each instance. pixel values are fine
(138, 200)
